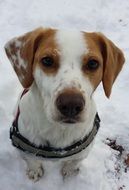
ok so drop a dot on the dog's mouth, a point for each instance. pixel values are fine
(69, 120)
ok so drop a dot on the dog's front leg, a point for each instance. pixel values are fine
(70, 168)
(34, 168)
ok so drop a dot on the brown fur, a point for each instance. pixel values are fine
(110, 57)
(48, 47)
(41, 43)
(30, 42)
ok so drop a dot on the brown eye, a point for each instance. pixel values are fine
(92, 65)
(47, 61)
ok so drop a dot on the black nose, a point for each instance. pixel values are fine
(70, 104)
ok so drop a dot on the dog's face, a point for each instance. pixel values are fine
(67, 67)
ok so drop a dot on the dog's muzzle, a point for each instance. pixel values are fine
(70, 104)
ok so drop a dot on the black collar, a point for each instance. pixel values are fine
(48, 151)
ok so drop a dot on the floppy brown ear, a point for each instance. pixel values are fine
(113, 60)
(20, 52)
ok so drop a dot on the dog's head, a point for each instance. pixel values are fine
(67, 67)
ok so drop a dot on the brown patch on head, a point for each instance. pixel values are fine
(94, 53)
(21, 52)
(47, 49)
(109, 57)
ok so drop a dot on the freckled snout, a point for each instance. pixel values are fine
(70, 103)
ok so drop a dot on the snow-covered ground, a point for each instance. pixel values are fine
(104, 169)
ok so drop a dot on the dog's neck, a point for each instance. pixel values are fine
(34, 125)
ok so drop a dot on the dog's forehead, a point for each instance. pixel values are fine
(71, 42)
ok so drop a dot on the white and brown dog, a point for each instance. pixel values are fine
(62, 69)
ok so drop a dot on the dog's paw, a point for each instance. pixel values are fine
(66, 172)
(35, 174)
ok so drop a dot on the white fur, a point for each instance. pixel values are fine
(20, 61)
(38, 120)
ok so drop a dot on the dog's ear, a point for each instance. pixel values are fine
(113, 60)
(20, 51)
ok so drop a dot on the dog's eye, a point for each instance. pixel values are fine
(92, 64)
(47, 61)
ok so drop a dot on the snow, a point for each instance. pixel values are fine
(104, 169)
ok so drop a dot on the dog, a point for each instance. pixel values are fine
(60, 69)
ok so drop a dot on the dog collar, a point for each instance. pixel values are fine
(47, 151)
